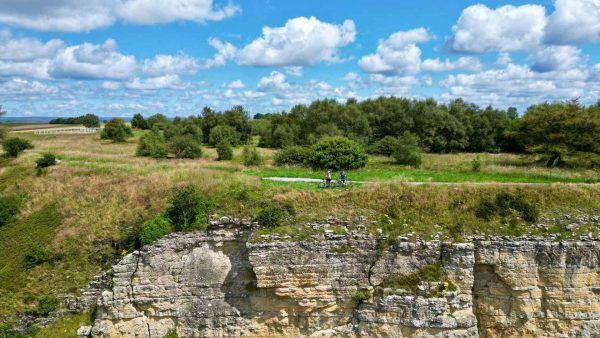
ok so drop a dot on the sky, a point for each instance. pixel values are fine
(121, 57)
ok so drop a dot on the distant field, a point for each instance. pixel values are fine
(36, 126)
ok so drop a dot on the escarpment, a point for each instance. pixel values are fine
(220, 283)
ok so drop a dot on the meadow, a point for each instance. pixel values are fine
(85, 211)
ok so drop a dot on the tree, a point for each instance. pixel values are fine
(14, 146)
(185, 147)
(337, 153)
(224, 151)
(139, 122)
(158, 120)
(3, 131)
(385, 146)
(90, 121)
(559, 129)
(223, 132)
(152, 144)
(407, 151)
(116, 130)
(187, 209)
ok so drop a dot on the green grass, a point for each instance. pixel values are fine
(65, 327)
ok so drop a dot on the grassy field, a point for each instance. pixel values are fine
(85, 210)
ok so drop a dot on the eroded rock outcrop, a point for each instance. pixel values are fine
(219, 284)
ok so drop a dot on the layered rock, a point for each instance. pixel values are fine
(219, 284)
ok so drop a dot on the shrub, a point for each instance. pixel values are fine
(337, 153)
(476, 164)
(36, 255)
(360, 296)
(3, 133)
(172, 334)
(251, 156)
(223, 132)
(187, 210)
(407, 151)
(292, 156)
(14, 146)
(384, 146)
(505, 205)
(224, 151)
(157, 120)
(154, 229)
(271, 216)
(90, 121)
(47, 160)
(139, 122)
(152, 144)
(116, 130)
(9, 209)
(45, 306)
(185, 147)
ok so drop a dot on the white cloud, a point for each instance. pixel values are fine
(77, 15)
(294, 70)
(237, 84)
(18, 86)
(110, 85)
(37, 69)
(274, 82)
(225, 51)
(556, 58)
(161, 11)
(301, 42)
(170, 64)
(171, 81)
(397, 55)
(26, 49)
(465, 62)
(89, 61)
(574, 21)
(508, 28)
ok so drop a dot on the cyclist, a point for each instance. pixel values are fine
(343, 177)
(328, 177)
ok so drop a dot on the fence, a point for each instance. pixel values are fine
(68, 131)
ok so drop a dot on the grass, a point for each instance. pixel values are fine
(65, 327)
(87, 209)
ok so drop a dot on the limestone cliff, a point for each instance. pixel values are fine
(219, 284)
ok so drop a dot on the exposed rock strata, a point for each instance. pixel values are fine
(220, 285)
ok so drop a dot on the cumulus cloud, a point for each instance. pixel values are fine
(237, 84)
(37, 69)
(90, 61)
(553, 58)
(26, 49)
(300, 42)
(465, 62)
(18, 86)
(396, 55)
(171, 81)
(274, 82)
(170, 64)
(508, 28)
(574, 21)
(77, 16)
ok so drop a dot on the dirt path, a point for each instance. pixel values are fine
(316, 180)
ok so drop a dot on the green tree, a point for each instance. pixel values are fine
(407, 151)
(185, 147)
(337, 153)
(223, 132)
(90, 121)
(187, 209)
(152, 144)
(3, 130)
(158, 120)
(224, 151)
(384, 146)
(559, 129)
(139, 122)
(154, 229)
(116, 130)
(14, 146)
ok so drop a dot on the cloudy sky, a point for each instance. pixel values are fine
(120, 57)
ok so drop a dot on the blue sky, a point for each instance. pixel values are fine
(120, 57)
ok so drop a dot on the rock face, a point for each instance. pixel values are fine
(218, 284)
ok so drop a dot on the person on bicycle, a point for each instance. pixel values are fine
(343, 176)
(328, 177)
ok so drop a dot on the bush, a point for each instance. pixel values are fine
(476, 164)
(505, 205)
(187, 210)
(139, 122)
(45, 306)
(154, 229)
(185, 147)
(116, 130)
(271, 216)
(152, 144)
(385, 146)
(90, 121)
(223, 132)
(36, 255)
(251, 156)
(292, 156)
(9, 209)
(47, 160)
(407, 151)
(360, 296)
(337, 153)
(157, 120)
(224, 151)
(3, 134)
(14, 146)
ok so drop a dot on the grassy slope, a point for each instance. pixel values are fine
(86, 207)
